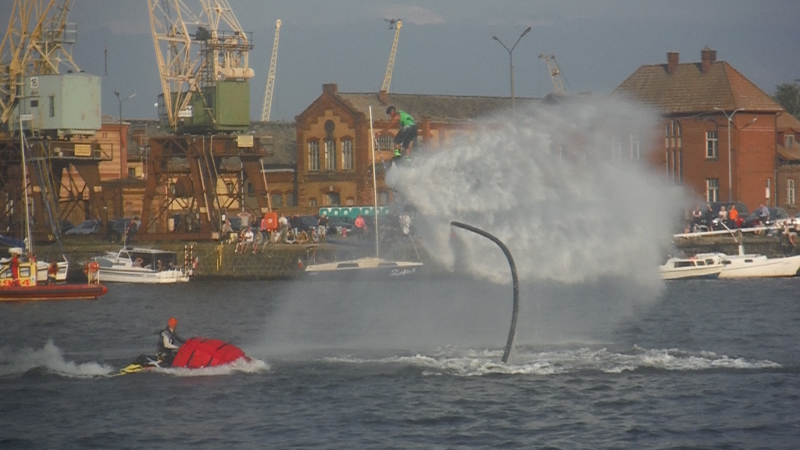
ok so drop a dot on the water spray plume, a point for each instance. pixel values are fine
(557, 184)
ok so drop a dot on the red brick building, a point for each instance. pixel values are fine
(720, 130)
(334, 142)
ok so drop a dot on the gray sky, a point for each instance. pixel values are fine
(445, 46)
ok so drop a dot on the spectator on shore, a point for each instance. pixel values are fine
(708, 216)
(361, 226)
(733, 217)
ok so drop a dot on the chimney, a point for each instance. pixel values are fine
(672, 62)
(708, 58)
(330, 88)
(382, 97)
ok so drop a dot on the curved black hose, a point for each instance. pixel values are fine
(514, 281)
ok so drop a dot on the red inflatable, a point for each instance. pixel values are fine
(198, 352)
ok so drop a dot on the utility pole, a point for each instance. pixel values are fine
(730, 169)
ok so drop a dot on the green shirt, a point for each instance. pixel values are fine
(405, 119)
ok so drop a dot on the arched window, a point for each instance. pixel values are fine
(291, 200)
(348, 159)
(330, 155)
(333, 199)
(313, 156)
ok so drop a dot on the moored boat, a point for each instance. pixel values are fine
(702, 265)
(369, 267)
(759, 266)
(142, 265)
(24, 287)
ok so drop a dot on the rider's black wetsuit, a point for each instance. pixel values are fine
(166, 348)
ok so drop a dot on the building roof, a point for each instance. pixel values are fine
(439, 108)
(787, 121)
(688, 90)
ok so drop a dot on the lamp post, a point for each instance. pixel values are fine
(121, 101)
(730, 170)
(511, 61)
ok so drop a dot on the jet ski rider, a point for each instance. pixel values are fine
(166, 349)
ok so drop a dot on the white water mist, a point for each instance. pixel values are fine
(550, 183)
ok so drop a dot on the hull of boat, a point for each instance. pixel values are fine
(52, 292)
(365, 268)
(758, 266)
(142, 276)
(693, 272)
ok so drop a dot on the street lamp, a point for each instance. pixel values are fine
(511, 61)
(121, 101)
(730, 171)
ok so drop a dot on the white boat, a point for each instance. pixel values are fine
(759, 266)
(702, 265)
(367, 267)
(42, 269)
(141, 265)
(370, 267)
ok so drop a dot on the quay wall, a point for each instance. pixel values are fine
(281, 261)
(214, 260)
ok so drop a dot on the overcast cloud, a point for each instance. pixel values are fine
(445, 45)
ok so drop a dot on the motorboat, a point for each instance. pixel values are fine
(142, 265)
(19, 275)
(195, 353)
(702, 265)
(759, 266)
(369, 267)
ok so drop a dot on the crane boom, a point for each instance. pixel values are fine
(36, 43)
(555, 72)
(220, 54)
(265, 111)
(387, 78)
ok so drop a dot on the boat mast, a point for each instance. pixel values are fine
(374, 183)
(28, 240)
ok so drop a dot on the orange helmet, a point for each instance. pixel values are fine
(172, 322)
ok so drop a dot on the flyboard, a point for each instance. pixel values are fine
(195, 353)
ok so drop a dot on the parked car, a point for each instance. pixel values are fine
(85, 228)
(777, 216)
(304, 223)
(336, 224)
(118, 228)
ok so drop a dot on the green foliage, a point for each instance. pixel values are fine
(788, 95)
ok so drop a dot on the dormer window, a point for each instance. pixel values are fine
(788, 141)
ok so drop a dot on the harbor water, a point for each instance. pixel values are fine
(707, 364)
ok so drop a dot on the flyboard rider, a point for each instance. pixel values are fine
(166, 348)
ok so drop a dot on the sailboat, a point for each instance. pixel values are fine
(371, 267)
(19, 279)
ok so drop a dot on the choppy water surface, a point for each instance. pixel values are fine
(710, 364)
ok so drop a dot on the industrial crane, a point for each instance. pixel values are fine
(387, 78)
(57, 106)
(37, 42)
(203, 60)
(555, 73)
(203, 68)
(271, 76)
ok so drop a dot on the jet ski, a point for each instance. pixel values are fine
(195, 353)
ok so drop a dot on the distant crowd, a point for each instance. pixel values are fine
(253, 235)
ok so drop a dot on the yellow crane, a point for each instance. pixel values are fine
(265, 110)
(387, 78)
(37, 42)
(192, 62)
(555, 72)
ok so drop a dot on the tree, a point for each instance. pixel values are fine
(788, 95)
